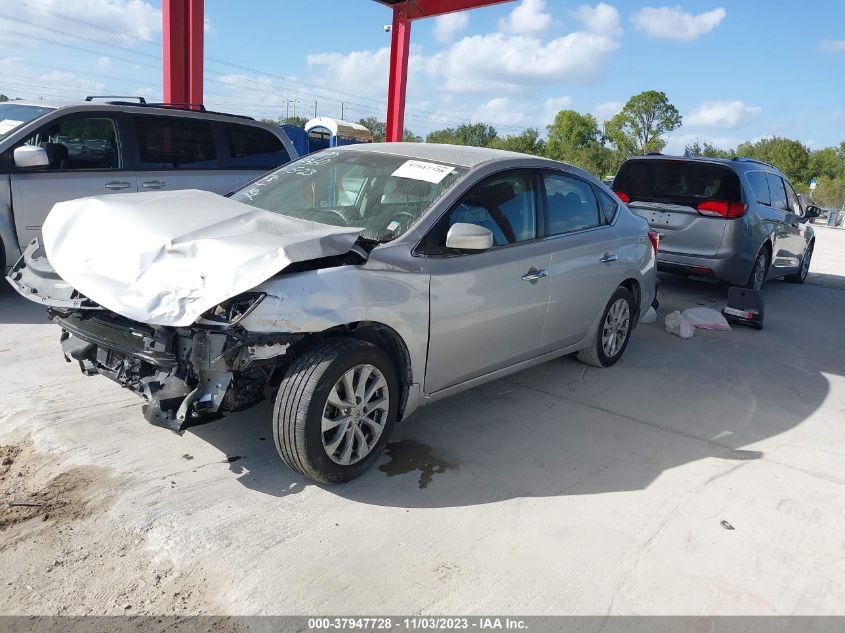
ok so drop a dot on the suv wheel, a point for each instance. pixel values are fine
(801, 275)
(761, 268)
(614, 332)
(336, 408)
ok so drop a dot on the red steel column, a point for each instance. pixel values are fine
(183, 22)
(400, 36)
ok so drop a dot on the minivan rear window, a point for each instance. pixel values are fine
(254, 148)
(677, 182)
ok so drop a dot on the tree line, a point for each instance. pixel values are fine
(640, 127)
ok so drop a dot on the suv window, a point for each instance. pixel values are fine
(172, 143)
(792, 198)
(571, 204)
(253, 147)
(505, 204)
(79, 144)
(677, 181)
(760, 185)
(777, 191)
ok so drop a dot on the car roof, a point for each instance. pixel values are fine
(461, 155)
(737, 162)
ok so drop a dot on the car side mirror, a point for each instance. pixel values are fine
(812, 211)
(469, 237)
(27, 156)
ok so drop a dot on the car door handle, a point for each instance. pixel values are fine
(116, 185)
(153, 184)
(533, 274)
(609, 258)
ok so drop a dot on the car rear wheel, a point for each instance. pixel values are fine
(761, 269)
(614, 331)
(336, 408)
(801, 275)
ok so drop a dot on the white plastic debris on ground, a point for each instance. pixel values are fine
(678, 325)
(706, 319)
(165, 258)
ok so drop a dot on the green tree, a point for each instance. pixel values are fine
(790, 156)
(826, 162)
(641, 124)
(3, 98)
(410, 137)
(830, 192)
(701, 147)
(577, 139)
(527, 142)
(378, 128)
(477, 134)
(298, 121)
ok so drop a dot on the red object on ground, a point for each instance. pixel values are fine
(182, 24)
(405, 12)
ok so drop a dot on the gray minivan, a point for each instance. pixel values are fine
(53, 153)
(738, 220)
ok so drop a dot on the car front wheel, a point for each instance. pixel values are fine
(614, 331)
(801, 275)
(335, 410)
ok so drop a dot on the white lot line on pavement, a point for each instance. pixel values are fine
(559, 490)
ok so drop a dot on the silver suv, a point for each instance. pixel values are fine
(738, 220)
(51, 153)
(359, 283)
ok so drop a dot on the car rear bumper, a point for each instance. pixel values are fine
(734, 269)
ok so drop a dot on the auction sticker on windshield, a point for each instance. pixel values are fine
(420, 170)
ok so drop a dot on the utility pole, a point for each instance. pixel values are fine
(341, 111)
(315, 108)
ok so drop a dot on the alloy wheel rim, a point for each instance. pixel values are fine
(355, 414)
(805, 265)
(615, 328)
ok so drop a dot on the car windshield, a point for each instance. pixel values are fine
(683, 182)
(383, 194)
(13, 115)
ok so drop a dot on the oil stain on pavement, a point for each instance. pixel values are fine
(407, 456)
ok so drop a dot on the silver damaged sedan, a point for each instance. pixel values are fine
(354, 285)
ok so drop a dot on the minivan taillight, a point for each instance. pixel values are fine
(654, 238)
(722, 208)
(624, 197)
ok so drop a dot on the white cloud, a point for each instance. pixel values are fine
(355, 72)
(104, 61)
(529, 17)
(602, 19)
(556, 104)
(25, 81)
(506, 62)
(606, 110)
(446, 26)
(500, 110)
(832, 46)
(722, 114)
(672, 23)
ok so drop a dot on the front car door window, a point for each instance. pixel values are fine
(79, 143)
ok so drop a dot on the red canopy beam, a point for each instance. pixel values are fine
(404, 12)
(183, 24)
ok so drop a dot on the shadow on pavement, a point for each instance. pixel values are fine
(563, 428)
(16, 309)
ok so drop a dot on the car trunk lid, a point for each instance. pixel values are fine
(688, 202)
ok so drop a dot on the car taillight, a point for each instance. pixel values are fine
(624, 197)
(654, 238)
(722, 208)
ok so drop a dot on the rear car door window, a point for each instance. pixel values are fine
(607, 205)
(254, 148)
(792, 198)
(777, 192)
(175, 143)
(79, 143)
(570, 204)
(504, 204)
(760, 186)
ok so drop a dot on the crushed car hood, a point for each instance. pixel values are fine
(165, 258)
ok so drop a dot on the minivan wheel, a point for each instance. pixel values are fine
(761, 268)
(801, 275)
(614, 331)
(335, 410)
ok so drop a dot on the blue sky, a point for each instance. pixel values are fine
(737, 70)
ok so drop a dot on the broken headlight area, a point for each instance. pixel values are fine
(231, 311)
(185, 375)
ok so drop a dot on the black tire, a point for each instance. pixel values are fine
(302, 398)
(761, 260)
(801, 275)
(594, 354)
